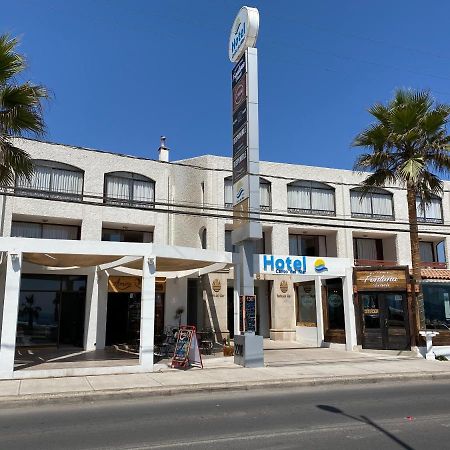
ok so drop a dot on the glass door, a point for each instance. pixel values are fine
(372, 321)
(396, 322)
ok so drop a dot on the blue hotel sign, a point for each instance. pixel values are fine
(300, 265)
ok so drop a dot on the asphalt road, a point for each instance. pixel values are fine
(395, 416)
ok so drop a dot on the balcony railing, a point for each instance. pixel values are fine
(434, 264)
(374, 262)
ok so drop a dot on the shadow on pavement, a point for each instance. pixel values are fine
(367, 421)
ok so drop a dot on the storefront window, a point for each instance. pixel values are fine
(306, 296)
(51, 310)
(335, 305)
(437, 306)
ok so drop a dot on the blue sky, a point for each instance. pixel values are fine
(124, 72)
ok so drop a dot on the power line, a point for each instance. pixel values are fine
(271, 218)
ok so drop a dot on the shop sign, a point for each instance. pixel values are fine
(240, 166)
(302, 265)
(335, 300)
(240, 213)
(133, 284)
(283, 289)
(217, 288)
(369, 280)
(244, 32)
(239, 117)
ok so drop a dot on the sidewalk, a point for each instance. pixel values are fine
(287, 365)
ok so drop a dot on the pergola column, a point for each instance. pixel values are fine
(319, 311)
(9, 316)
(349, 311)
(147, 333)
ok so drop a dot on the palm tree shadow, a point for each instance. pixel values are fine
(366, 420)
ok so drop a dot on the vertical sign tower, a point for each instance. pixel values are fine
(246, 201)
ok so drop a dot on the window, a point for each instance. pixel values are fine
(376, 204)
(431, 212)
(203, 238)
(368, 249)
(302, 245)
(265, 194)
(126, 235)
(436, 297)
(51, 310)
(228, 192)
(260, 244)
(129, 189)
(311, 197)
(432, 253)
(44, 230)
(52, 180)
(229, 247)
(306, 297)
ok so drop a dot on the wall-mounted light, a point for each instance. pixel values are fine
(151, 260)
(14, 256)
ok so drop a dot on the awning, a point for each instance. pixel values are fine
(63, 260)
(435, 274)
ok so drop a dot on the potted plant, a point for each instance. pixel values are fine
(178, 313)
(228, 349)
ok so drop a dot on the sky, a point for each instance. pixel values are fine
(124, 72)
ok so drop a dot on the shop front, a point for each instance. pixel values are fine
(383, 308)
(436, 296)
(51, 311)
(124, 310)
(311, 299)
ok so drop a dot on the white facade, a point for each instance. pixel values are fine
(189, 210)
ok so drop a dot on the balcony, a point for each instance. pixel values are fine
(374, 262)
(433, 264)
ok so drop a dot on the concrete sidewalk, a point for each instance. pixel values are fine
(287, 364)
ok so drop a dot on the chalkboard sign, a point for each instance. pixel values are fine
(186, 349)
(241, 313)
(250, 313)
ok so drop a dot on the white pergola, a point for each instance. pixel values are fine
(62, 256)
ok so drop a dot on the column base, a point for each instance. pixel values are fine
(282, 334)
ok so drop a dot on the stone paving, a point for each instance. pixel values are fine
(285, 363)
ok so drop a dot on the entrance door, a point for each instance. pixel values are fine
(230, 311)
(71, 321)
(384, 321)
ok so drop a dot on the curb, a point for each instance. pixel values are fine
(136, 393)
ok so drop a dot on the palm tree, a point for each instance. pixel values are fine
(20, 112)
(409, 146)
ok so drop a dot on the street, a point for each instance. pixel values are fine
(378, 416)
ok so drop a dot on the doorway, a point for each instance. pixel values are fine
(384, 321)
(123, 317)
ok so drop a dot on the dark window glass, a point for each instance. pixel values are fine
(371, 310)
(51, 310)
(307, 305)
(126, 235)
(335, 304)
(38, 318)
(437, 305)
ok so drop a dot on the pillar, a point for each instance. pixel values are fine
(9, 316)
(102, 309)
(237, 283)
(147, 333)
(319, 313)
(283, 309)
(349, 311)
(90, 318)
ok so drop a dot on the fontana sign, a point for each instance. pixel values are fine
(302, 265)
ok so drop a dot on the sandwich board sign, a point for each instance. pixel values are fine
(187, 352)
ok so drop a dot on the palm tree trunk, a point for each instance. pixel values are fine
(416, 285)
